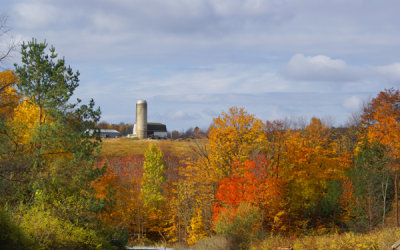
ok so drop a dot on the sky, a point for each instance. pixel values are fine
(193, 59)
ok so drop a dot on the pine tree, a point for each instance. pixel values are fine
(59, 142)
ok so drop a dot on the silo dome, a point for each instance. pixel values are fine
(141, 101)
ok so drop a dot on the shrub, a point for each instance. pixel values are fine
(240, 226)
(50, 232)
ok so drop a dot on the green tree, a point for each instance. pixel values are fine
(372, 186)
(59, 148)
(62, 146)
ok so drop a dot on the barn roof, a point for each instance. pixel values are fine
(109, 131)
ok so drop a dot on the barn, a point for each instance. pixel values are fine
(155, 130)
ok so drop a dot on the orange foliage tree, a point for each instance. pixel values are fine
(253, 183)
(311, 160)
(118, 191)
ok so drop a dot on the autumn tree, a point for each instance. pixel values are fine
(310, 163)
(253, 183)
(11, 166)
(119, 192)
(381, 123)
(276, 132)
(9, 96)
(153, 183)
(233, 136)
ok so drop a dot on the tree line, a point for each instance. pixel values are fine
(252, 178)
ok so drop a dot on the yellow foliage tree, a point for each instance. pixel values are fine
(233, 136)
(25, 121)
(311, 160)
(197, 229)
(194, 193)
(9, 96)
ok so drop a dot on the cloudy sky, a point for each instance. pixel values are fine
(192, 59)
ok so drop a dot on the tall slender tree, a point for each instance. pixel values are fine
(62, 137)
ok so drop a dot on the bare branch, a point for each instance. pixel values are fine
(11, 45)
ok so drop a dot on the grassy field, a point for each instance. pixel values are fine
(377, 239)
(120, 147)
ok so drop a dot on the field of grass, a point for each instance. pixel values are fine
(120, 147)
(377, 239)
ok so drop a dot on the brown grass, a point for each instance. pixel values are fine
(377, 239)
(120, 147)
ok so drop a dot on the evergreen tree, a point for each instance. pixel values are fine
(62, 146)
(56, 142)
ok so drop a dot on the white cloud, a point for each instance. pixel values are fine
(212, 54)
(319, 68)
(352, 103)
(33, 15)
(391, 71)
(181, 115)
(108, 22)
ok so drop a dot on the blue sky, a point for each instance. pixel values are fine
(192, 59)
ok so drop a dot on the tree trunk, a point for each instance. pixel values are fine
(396, 198)
(384, 195)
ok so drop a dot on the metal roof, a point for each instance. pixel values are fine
(108, 131)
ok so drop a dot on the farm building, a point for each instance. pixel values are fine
(109, 133)
(154, 130)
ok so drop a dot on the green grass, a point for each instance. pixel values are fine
(120, 147)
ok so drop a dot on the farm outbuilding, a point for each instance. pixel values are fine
(154, 130)
(109, 133)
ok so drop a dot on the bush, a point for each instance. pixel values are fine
(50, 232)
(11, 236)
(241, 227)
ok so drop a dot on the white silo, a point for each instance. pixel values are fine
(141, 119)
